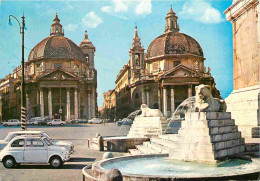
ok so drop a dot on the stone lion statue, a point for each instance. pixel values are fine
(147, 112)
(205, 101)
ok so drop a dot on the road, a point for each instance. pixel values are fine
(78, 134)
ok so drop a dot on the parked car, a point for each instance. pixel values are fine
(56, 122)
(12, 122)
(11, 135)
(125, 121)
(73, 121)
(82, 121)
(44, 121)
(35, 120)
(95, 121)
(37, 149)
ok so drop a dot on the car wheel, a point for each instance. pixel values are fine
(50, 124)
(5, 125)
(61, 124)
(56, 162)
(9, 162)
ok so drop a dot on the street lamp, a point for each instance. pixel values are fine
(23, 107)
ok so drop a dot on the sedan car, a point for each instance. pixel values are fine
(12, 122)
(56, 122)
(12, 135)
(37, 149)
(125, 121)
(82, 121)
(95, 121)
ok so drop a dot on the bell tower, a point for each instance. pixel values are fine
(89, 50)
(56, 27)
(136, 56)
(171, 22)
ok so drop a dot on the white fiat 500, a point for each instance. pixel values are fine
(12, 122)
(56, 122)
(13, 134)
(33, 149)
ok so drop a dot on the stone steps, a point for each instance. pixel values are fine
(225, 137)
(147, 126)
(135, 152)
(230, 151)
(220, 123)
(205, 156)
(228, 144)
(145, 150)
(157, 147)
(252, 149)
(207, 116)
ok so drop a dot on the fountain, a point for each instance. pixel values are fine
(208, 146)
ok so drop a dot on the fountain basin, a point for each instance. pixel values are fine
(159, 167)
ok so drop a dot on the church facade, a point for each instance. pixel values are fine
(60, 77)
(164, 76)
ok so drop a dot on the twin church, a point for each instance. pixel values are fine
(61, 79)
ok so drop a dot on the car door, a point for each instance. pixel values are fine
(17, 150)
(35, 151)
(57, 122)
(16, 122)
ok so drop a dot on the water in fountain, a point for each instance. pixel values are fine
(187, 105)
(174, 123)
(165, 167)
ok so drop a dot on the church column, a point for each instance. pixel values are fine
(165, 101)
(143, 96)
(172, 100)
(89, 106)
(76, 105)
(27, 103)
(159, 98)
(79, 114)
(68, 104)
(148, 98)
(189, 90)
(49, 103)
(41, 103)
(93, 102)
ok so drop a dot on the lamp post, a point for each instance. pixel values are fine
(23, 106)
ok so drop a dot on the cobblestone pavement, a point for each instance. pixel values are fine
(78, 134)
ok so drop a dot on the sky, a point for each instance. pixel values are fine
(110, 25)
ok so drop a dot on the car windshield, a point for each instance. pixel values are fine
(47, 136)
(47, 141)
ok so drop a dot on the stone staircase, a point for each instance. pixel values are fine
(147, 127)
(205, 137)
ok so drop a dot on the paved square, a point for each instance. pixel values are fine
(71, 170)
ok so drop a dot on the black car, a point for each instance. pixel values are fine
(81, 121)
(44, 121)
(73, 121)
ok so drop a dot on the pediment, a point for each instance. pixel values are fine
(57, 74)
(179, 71)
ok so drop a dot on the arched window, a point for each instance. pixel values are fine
(87, 59)
(137, 59)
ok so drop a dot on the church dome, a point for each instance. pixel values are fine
(174, 43)
(56, 47)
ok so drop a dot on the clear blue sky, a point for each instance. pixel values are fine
(110, 26)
